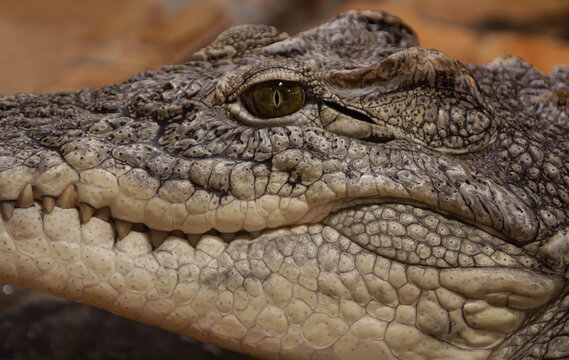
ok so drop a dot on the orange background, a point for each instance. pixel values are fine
(70, 44)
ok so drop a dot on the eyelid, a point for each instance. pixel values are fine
(239, 111)
(265, 75)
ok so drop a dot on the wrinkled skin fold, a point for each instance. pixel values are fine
(407, 206)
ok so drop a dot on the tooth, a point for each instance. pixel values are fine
(7, 209)
(26, 197)
(193, 239)
(86, 211)
(177, 233)
(227, 237)
(139, 227)
(157, 237)
(243, 235)
(68, 198)
(255, 234)
(123, 228)
(103, 213)
(48, 204)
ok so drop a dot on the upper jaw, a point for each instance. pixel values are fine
(370, 174)
(302, 182)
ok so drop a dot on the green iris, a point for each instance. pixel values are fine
(277, 98)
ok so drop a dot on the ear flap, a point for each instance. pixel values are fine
(238, 41)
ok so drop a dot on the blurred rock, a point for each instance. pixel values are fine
(70, 44)
(524, 15)
(471, 39)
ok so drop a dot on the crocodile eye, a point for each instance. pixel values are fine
(273, 99)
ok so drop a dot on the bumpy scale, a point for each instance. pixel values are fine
(340, 194)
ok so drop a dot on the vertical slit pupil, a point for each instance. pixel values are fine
(274, 99)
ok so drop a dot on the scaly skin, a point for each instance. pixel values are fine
(413, 208)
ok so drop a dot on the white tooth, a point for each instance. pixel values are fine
(157, 237)
(123, 228)
(193, 239)
(86, 211)
(7, 208)
(26, 197)
(68, 198)
(48, 204)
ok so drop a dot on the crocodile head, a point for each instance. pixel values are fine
(343, 193)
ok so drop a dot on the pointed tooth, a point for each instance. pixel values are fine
(123, 228)
(7, 208)
(139, 227)
(103, 213)
(178, 233)
(193, 239)
(48, 204)
(243, 235)
(68, 198)
(26, 197)
(86, 211)
(227, 237)
(157, 237)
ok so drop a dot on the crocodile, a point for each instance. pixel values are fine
(343, 193)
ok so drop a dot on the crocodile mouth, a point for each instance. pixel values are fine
(403, 232)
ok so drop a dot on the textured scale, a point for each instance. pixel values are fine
(414, 207)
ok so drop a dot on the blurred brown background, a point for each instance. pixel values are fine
(56, 45)
(69, 44)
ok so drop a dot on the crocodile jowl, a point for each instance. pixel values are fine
(340, 194)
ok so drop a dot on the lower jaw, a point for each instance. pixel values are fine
(289, 291)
